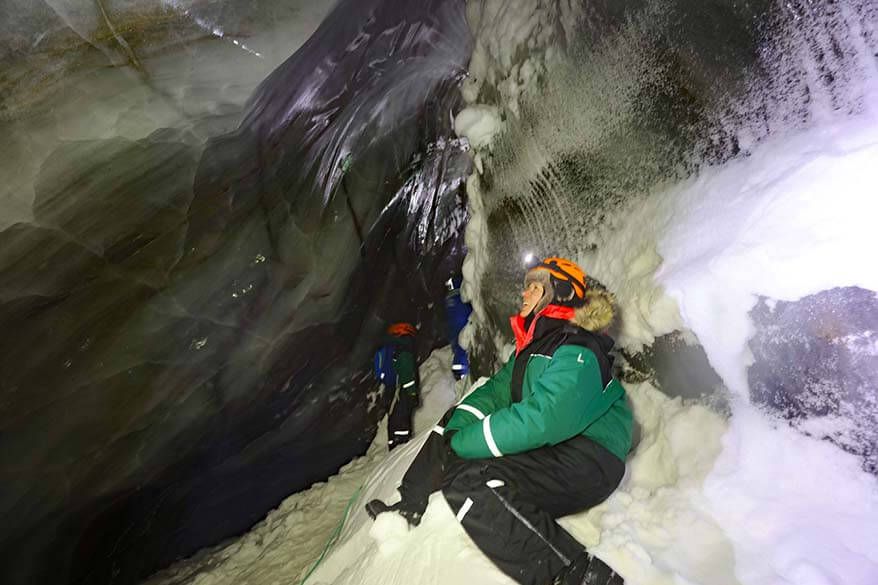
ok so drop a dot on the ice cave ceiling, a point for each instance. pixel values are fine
(210, 208)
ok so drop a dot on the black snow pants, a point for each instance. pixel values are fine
(508, 505)
(399, 423)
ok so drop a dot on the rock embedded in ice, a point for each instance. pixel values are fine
(816, 364)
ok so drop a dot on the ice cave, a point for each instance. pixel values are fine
(211, 209)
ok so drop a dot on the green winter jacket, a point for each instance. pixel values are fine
(562, 395)
(404, 364)
(406, 370)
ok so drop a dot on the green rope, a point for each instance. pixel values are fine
(335, 534)
(345, 163)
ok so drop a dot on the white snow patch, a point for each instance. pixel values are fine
(863, 343)
(798, 509)
(626, 261)
(478, 124)
(654, 529)
(515, 43)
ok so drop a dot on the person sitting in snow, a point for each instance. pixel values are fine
(545, 437)
(396, 370)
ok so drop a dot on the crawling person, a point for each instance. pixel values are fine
(545, 437)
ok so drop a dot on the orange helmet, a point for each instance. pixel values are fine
(401, 329)
(565, 271)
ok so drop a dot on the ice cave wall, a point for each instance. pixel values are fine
(194, 267)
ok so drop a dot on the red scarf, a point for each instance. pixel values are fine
(522, 337)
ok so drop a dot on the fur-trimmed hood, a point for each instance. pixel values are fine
(596, 316)
(597, 313)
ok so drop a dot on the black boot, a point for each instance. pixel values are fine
(587, 569)
(375, 507)
(411, 512)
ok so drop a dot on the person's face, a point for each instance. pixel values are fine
(530, 296)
